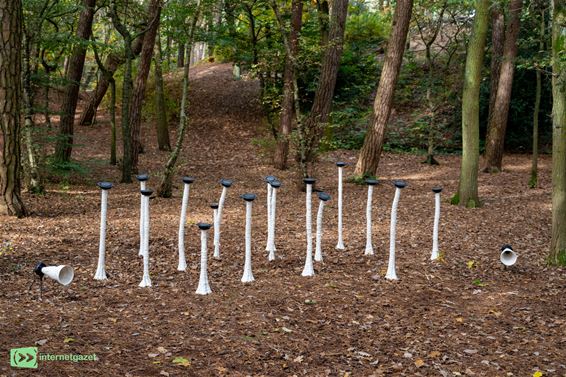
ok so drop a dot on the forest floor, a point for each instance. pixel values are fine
(465, 315)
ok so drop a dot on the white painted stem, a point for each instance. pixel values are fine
(369, 245)
(218, 222)
(308, 270)
(435, 253)
(142, 210)
(146, 280)
(203, 285)
(182, 266)
(272, 247)
(340, 244)
(248, 276)
(216, 254)
(100, 270)
(391, 271)
(318, 252)
(269, 218)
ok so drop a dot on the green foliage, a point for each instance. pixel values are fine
(560, 259)
(455, 200)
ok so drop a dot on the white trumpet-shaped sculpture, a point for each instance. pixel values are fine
(142, 179)
(369, 244)
(391, 270)
(214, 207)
(268, 180)
(275, 185)
(340, 243)
(435, 254)
(248, 276)
(226, 183)
(203, 285)
(61, 274)
(100, 269)
(323, 198)
(182, 266)
(508, 257)
(146, 280)
(308, 270)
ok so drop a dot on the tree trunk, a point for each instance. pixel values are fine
(558, 244)
(10, 89)
(318, 117)
(287, 109)
(497, 41)
(163, 142)
(113, 61)
(533, 181)
(181, 56)
(323, 13)
(64, 144)
(498, 122)
(144, 66)
(468, 186)
(368, 159)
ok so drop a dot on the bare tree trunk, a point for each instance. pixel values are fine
(181, 56)
(10, 87)
(368, 159)
(162, 128)
(287, 110)
(64, 145)
(154, 12)
(533, 181)
(468, 186)
(497, 41)
(557, 255)
(498, 122)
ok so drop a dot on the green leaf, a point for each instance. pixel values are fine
(182, 361)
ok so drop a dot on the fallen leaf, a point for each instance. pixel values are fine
(68, 340)
(434, 354)
(152, 354)
(471, 264)
(459, 319)
(161, 350)
(298, 359)
(41, 342)
(538, 373)
(419, 363)
(182, 361)
(286, 330)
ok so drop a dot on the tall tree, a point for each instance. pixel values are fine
(163, 142)
(64, 145)
(498, 120)
(497, 41)
(154, 12)
(289, 77)
(368, 159)
(558, 243)
(10, 94)
(468, 186)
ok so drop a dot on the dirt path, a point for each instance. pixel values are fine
(347, 320)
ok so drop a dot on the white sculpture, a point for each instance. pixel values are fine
(248, 276)
(323, 198)
(142, 179)
(146, 280)
(369, 244)
(182, 266)
(214, 207)
(203, 285)
(268, 180)
(340, 243)
(226, 183)
(391, 271)
(308, 270)
(275, 185)
(434, 255)
(100, 270)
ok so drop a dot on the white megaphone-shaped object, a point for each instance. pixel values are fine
(62, 274)
(508, 257)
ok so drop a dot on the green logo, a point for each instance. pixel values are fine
(23, 357)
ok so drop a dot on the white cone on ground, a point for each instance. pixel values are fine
(182, 266)
(508, 257)
(203, 284)
(340, 243)
(369, 244)
(142, 179)
(146, 280)
(226, 183)
(391, 270)
(275, 185)
(62, 274)
(308, 270)
(100, 273)
(435, 254)
(323, 198)
(248, 276)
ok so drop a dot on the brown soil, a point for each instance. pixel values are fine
(346, 320)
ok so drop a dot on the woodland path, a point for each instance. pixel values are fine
(463, 316)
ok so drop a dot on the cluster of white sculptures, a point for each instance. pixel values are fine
(273, 186)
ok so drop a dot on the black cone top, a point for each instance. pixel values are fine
(372, 182)
(506, 246)
(146, 192)
(399, 183)
(188, 180)
(275, 183)
(341, 164)
(437, 189)
(38, 267)
(226, 182)
(248, 197)
(214, 205)
(309, 181)
(204, 226)
(323, 196)
(142, 177)
(270, 179)
(104, 185)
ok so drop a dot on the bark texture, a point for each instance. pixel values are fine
(497, 41)
(368, 159)
(10, 94)
(64, 146)
(163, 141)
